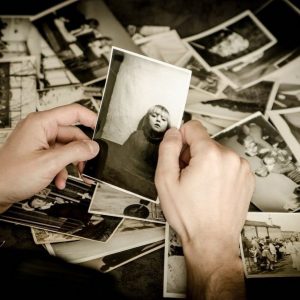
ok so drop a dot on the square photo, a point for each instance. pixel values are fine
(275, 167)
(142, 99)
(237, 39)
(270, 244)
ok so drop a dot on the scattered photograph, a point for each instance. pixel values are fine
(110, 262)
(235, 40)
(287, 121)
(18, 96)
(270, 244)
(77, 40)
(14, 33)
(167, 47)
(174, 266)
(142, 99)
(64, 211)
(284, 96)
(275, 167)
(41, 237)
(109, 201)
(130, 234)
(212, 82)
(246, 73)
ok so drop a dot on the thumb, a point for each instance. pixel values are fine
(168, 169)
(75, 151)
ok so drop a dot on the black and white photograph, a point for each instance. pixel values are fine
(239, 38)
(284, 96)
(246, 73)
(64, 211)
(167, 47)
(270, 244)
(287, 121)
(109, 201)
(276, 169)
(18, 90)
(129, 235)
(174, 266)
(110, 262)
(212, 82)
(41, 237)
(143, 97)
(14, 32)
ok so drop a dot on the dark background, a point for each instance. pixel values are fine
(143, 277)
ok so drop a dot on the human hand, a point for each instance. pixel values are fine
(206, 201)
(39, 149)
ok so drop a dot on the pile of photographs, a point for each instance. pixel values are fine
(240, 79)
(245, 89)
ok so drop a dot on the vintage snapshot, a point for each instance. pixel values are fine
(42, 237)
(212, 82)
(174, 266)
(235, 40)
(109, 201)
(284, 96)
(77, 40)
(142, 99)
(18, 90)
(167, 47)
(246, 73)
(288, 124)
(130, 234)
(64, 211)
(110, 262)
(275, 167)
(270, 244)
(14, 32)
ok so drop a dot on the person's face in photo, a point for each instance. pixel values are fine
(38, 203)
(158, 120)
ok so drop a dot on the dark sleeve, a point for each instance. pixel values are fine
(34, 274)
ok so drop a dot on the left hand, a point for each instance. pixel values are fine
(39, 149)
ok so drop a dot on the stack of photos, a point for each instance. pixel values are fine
(270, 245)
(143, 97)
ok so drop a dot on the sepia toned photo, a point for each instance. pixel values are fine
(174, 266)
(109, 201)
(142, 99)
(130, 234)
(110, 262)
(237, 39)
(270, 244)
(284, 96)
(64, 211)
(271, 160)
(288, 124)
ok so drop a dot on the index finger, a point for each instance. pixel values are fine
(71, 114)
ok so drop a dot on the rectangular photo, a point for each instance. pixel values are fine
(129, 235)
(287, 121)
(143, 97)
(64, 211)
(109, 201)
(284, 96)
(270, 244)
(110, 262)
(175, 276)
(275, 167)
(235, 40)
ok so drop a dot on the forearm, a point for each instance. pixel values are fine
(213, 273)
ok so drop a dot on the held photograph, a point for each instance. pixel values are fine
(275, 167)
(111, 202)
(143, 97)
(235, 40)
(270, 244)
(287, 121)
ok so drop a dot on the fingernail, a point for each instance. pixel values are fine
(94, 147)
